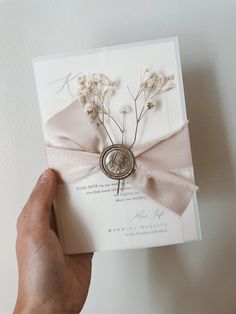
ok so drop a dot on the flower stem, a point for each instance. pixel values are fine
(103, 124)
(130, 92)
(137, 118)
(109, 115)
(123, 129)
(135, 134)
(142, 113)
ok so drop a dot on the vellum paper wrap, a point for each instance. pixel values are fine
(157, 202)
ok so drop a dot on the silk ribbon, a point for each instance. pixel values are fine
(74, 148)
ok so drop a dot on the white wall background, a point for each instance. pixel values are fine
(194, 278)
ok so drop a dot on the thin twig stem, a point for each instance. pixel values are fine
(136, 110)
(130, 92)
(141, 114)
(135, 135)
(123, 131)
(109, 115)
(105, 129)
(136, 114)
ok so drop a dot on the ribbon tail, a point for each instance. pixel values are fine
(167, 189)
(72, 165)
(147, 146)
(170, 152)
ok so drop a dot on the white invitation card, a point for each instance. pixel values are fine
(156, 203)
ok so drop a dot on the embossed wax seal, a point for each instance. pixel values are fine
(117, 161)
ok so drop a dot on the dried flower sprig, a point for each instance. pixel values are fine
(94, 91)
(124, 110)
(151, 87)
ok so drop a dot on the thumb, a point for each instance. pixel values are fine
(37, 210)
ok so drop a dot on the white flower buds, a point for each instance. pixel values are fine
(125, 109)
(91, 110)
(150, 104)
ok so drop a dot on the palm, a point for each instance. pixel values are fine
(49, 276)
(66, 278)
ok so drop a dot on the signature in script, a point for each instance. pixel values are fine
(142, 215)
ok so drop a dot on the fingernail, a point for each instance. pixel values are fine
(46, 176)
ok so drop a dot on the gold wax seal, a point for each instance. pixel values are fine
(117, 161)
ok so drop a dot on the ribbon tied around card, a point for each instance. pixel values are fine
(76, 150)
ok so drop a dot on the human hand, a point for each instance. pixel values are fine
(49, 281)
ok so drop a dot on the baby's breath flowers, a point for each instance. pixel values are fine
(150, 103)
(125, 109)
(91, 110)
(95, 91)
(81, 79)
(95, 87)
(152, 85)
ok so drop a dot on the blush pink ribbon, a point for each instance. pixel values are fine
(74, 147)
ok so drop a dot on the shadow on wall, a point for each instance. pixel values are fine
(207, 284)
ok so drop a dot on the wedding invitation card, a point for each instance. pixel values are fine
(116, 131)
